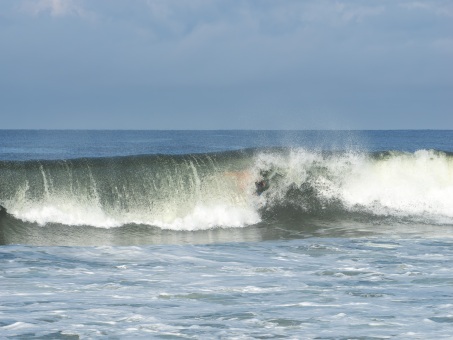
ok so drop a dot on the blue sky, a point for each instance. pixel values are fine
(199, 64)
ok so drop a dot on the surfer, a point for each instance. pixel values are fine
(261, 186)
(243, 177)
(2, 211)
(264, 183)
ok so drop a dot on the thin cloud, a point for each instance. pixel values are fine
(56, 8)
(438, 8)
(358, 13)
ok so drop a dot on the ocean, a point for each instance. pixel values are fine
(226, 234)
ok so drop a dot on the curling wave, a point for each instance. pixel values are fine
(202, 191)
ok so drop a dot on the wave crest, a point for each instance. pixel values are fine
(192, 192)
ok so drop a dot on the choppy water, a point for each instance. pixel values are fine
(163, 234)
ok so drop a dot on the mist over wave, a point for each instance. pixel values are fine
(202, 191)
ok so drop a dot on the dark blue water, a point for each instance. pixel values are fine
(162, 234)
(49, 144)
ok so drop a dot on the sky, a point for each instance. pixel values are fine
(226, 64)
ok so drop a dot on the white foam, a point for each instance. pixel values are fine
(17, 326)
(206, 217)
(402, 184)
(174, 214)
(405, 184)
(69, 215)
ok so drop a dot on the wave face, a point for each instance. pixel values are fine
(202, 191)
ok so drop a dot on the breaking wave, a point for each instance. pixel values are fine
(202, 191)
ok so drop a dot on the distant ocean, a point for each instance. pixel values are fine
(226, 234)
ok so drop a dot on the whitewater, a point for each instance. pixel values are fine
(226, 234)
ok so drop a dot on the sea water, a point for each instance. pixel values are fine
(164, 234)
